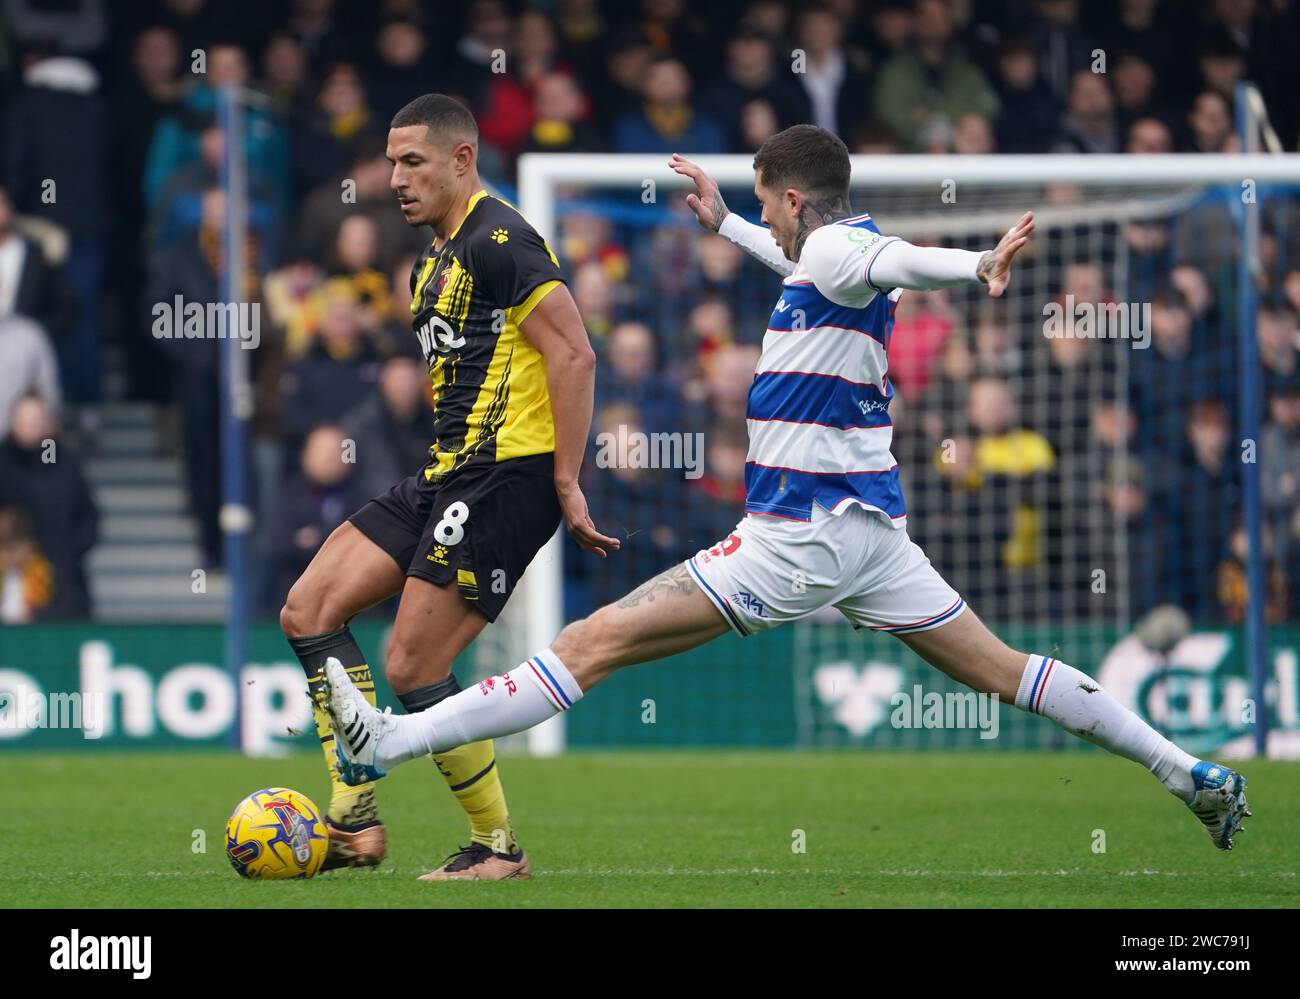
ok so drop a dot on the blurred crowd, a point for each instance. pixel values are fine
(111, 201)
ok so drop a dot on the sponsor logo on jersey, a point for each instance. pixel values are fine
(725, 547)
(749, 602)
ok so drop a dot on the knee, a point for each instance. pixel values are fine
(408, 665)
(588, 648)
(304, 614)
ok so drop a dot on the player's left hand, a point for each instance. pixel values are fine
(578, 521)
(995, 266)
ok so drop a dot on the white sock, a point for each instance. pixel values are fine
(537, 689)
(1076, 702)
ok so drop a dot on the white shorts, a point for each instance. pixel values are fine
(770, 570)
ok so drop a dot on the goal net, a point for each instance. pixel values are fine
(1072, 454)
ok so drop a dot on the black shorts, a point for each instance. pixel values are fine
(479, 527)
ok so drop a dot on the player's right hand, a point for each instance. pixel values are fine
(707, 204)
(578, 520)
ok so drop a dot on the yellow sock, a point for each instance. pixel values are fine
(472, 774)
(349, 806)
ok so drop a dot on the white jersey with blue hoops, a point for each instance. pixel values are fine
(824, 506)
(818, 414)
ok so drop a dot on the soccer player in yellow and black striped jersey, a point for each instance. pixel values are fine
(512, 372)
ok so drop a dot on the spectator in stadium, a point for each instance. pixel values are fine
(715, 501)
(931, 80)
(943, 402)
(996, 343)
(55, 164)
(317, 499)
(175, 140)
(584, 31)
(1149, 136)
(710, 329)
(832, 75)
(630, 375)
(1211, 125)
(1008, 466)
(40, 474)
(594, 293)
(322, 138)
(469, 71)
(285, 74)
(1279, 342)
(1131, 513)
(28, 366)
(1144, 28)
(26, 578)
(923, 321)
(1162, 377)
(638, 504)
(1279, 465)
(175, 216)
(1232, 591)
(627, 57)
(1193, 502)
(393, 427)
(1134, 83)
(872, 137)
(356, 261)
(667, 121)
(1063, 45)
(404, 66)
(1028, 112)
(560, 124)
(723, 393)
(507, 112)
(972, 135)
(772, 18)
(338, 371)
(750, 79)
(147, 94)
(758, 123)
(1291, 290)
(1222, 63)
(360, 189)
(1090, 124)
(723, 269)
(30, 285)
(323, 30)
(889, 29)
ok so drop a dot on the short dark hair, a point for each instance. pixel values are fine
(444, 116)
(805, 157)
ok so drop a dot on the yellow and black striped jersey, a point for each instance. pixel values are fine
(469, 297)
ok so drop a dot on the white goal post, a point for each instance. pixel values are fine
(542, 175)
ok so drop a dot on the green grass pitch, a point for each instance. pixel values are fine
(668, 829)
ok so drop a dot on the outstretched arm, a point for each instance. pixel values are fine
(850, 265)
(899, 264)
(712, 213)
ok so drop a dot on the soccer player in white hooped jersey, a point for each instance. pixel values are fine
(823, 500)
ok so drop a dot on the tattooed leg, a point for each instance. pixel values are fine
(661, 617)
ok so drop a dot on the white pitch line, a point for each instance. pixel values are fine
(688, 872)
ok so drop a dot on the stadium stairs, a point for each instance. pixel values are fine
(142, 569)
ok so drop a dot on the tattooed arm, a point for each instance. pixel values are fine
(712, 213)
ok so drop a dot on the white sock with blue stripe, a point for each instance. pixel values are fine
(537, 689)
(1076, 702)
